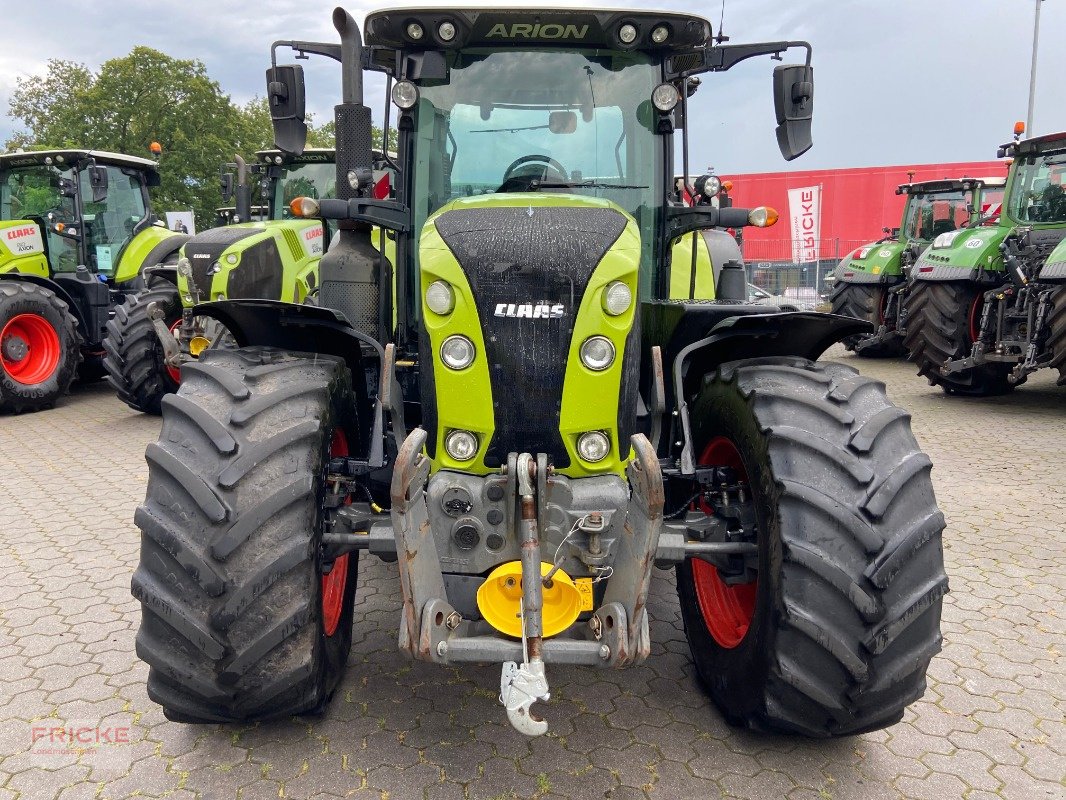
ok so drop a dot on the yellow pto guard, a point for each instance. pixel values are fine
(499, 600)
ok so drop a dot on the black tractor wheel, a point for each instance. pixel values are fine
(39, 347)
(943, 321)
(834, 635)
(865, 301)
(134, 357)
(1057, 336)
(241, 619)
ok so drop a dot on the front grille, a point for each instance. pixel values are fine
(533, 257)
(204, 249)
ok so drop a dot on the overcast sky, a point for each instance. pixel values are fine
(897, 81)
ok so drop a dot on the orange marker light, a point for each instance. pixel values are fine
(727, 186)
(762, 217)
(1019, 128)
(304, 207)
(156, 148)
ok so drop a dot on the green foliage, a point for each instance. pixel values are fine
(148, 96)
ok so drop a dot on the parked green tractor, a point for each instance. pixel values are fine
(983, 312)
(534, 422)
(871, 282)
(275, 259)
(77, 232)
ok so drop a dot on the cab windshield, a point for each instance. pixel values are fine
(1038, 191)
(569, 121)
(317, 180)
(929, 215)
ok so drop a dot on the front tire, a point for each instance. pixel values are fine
(865, 301)
(943, 321)
(240, 618)
(134, 359)
(836, 633)
(1057, 337)
(39, 351)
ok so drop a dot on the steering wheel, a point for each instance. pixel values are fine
(549, 164)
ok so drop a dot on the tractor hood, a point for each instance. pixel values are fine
(962, 254)
(527, 273)
(876, 262)
(1055, 267)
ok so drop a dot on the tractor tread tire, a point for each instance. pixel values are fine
(863, 301)
(228, 578)
(134, 354)
(1056, 341)
(18, 297)
(851, 575)
(938, 331)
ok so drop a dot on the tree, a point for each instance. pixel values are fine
(149, 96)
(132, 101)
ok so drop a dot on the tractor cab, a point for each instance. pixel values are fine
(65, 208)
(937, 207)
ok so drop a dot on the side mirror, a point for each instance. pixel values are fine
(794, 106)
(285, 96)
(226, 179)
(98, 182)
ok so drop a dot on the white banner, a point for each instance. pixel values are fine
(805, 216)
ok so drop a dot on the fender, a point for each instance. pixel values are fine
(167, 247)
(308, 329)
(61, 293)
(804, 334)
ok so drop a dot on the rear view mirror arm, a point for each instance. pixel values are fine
(725, 57)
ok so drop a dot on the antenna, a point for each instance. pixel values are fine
(721, 37)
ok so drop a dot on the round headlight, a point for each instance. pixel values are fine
(184, 267)
(593, 446)
(597, 353)
(446, 31)
(616, 298)
(762, 217)
(404, 94)
(440, 298)
(665, 97)
(712, 186)
(353, 179)
(660, 34)
(461, 445)
(414, 31)
(231, 258)
(627, 34)
(457, 352)
(220, 296)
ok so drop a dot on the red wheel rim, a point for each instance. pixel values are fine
(727, 610)
(174, 372)
(975, 317)
(334, 581)
(30, 349)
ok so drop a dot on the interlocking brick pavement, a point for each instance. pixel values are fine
(990, 725)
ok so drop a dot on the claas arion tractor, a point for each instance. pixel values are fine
(536, 421)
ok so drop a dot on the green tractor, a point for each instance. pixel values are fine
(983, 312)
(275, 259)
(76, 233)
(536, 420)
(870, 283)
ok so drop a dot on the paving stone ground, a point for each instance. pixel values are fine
(990, 725)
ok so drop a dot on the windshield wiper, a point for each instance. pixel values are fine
(535, 184)
(511, 130)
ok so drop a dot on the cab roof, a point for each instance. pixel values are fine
(949, 185)
(72, 156)
(310, 155)
(531, 26)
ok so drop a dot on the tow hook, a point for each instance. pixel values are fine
(171, 348)
(522, 685)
